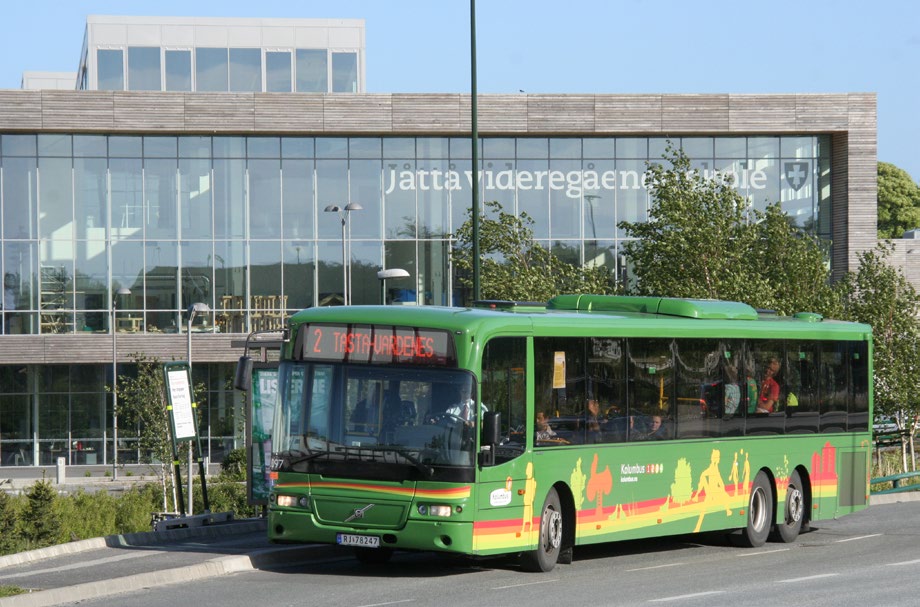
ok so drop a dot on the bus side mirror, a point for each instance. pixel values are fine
(243, 378)
(491, 437)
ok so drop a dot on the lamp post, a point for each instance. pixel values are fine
(346, 251)
(121, 291)
(391, 273)
(193, 311)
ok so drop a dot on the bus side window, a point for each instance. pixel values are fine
(503, 390)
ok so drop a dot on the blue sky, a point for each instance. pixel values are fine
(580, 46)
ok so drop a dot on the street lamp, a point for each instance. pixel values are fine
(112, 323)
(346, 252)
(193, 311)
(391, 273)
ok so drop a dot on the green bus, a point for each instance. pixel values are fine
(526, 428)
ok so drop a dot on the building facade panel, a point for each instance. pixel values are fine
(628, 113)
(425, 113)
(753, 113)
(20, 110)
(694, 113)
(153, 110)
(93, 110)
(561, 113)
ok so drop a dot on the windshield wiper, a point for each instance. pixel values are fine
(303, 456)
(425, 469)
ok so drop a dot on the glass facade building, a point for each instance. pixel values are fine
(119, 209)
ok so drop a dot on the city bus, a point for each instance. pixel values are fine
(527, 429)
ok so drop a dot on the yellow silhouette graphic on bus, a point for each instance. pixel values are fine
(530, 492)
(711, 488)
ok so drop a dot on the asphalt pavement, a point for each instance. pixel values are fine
(102, 567)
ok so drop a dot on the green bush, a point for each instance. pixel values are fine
(41, 520)
(11, 539)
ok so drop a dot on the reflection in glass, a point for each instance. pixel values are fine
(632, 197)
(264, 198)
(565, 198)
(144, 68)
(161, 200)
(196, 273)
(311, 71)
(20, 207)
(344, 72)
(365, 190)
(195, 197)
(211, 69)
(600, 199)
(110, 71)
(55, 145)
(298, 274)
(533, 195)
(56, 202)
(127, 197)
(434, 200)
(246, 69)
(162, 286)
(364, 287)
(178, 70)
(278, 71)
(297, 208)
(229, 200)
(400, 220)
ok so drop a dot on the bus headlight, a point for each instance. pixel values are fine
(434, 510)
(290, 501)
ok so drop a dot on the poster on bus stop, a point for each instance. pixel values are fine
(263, 397)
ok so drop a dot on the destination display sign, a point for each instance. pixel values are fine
(376, 344)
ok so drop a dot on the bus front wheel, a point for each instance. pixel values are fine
(760, 513)
(545, 557)
(793, 512)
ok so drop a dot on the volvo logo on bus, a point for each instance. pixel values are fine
(359, 513)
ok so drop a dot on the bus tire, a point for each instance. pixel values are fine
(793, 512)
(759, 513)
(545, 557)
(373, 556)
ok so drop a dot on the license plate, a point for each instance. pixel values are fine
(365, 541)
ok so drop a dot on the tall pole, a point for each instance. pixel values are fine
(114, 391)
(474, 136)
(344, 263)
(191, 315)
(113, 323)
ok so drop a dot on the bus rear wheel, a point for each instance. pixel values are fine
(545, 557)
(760, 514)
(793, 512)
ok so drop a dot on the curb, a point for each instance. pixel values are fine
(141, 538)
(132, 583)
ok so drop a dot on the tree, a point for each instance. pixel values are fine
(142, 406)
(41, 520)
(703, 240)
(898, 201)
(878, 294)
(514, 266)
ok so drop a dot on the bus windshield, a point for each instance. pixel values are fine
(370, 421)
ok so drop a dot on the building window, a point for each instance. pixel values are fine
(311, 71)
(179, 70)
(245, 69)
(278, 71)
(211, 69)
(344, 72)
(144, 68)
(110, 72)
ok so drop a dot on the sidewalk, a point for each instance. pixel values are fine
(102, 567)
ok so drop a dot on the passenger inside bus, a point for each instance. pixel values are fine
(769, 388)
